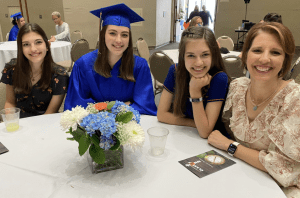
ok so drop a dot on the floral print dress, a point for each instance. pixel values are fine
(37, 101)
(275, 132)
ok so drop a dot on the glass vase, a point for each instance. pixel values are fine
(113, 160)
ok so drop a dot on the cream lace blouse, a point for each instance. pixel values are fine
(275, 132)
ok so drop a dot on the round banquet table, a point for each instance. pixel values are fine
(41, 163)
(60, 50)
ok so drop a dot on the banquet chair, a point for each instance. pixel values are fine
(142, 49)
(233, 65)
(1, 34)
(79, 48)
(159, 67)
(2, 96)
(76, 35)
(226, 42)
(7, 35)
(290, 73)
(295, 72)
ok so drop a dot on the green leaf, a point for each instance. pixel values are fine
(95, 139)
(211, 152)
(201, 155)
(126, 117)
(116, 146)
(72, 139)
(78, 133)
(97, 154)
(84, 144)
(110, 104)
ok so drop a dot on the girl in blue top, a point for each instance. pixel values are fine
(196, 87)
(18, 21)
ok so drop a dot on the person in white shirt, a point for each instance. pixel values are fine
(62, 29)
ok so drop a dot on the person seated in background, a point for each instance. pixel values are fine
(62, 29)
(195, 89)
(262, 113)
(18, 21)
(34, 83)
(113, 72)
(196, 21)
(194, 13)
(272, 17)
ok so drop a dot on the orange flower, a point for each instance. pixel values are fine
(100, 106)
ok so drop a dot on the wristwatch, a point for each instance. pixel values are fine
(196, 99)
(232, 148)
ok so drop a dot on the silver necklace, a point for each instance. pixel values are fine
(255, 106)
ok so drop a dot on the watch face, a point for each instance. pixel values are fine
(231, 149)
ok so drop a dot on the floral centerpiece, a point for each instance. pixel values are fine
(103, 128)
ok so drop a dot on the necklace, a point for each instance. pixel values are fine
(33, 78)
(255, 106)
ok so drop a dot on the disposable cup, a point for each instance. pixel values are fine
(11, 117)
(158, 137)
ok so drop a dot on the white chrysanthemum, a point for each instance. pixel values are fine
(131, 134)
(72, 118)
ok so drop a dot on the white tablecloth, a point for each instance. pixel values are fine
(60, 50)
(41, 163)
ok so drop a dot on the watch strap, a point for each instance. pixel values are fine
(196, 99)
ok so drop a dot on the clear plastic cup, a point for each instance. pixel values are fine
(11, 117)
(158, 137)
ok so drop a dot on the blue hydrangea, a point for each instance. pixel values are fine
(106, 142)
(122, 107)
(103, 121)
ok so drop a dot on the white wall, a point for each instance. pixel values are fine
(163, 23)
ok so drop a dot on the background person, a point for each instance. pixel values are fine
(196, 21)
(113, 72)
(198, 84)
(18, 21)
(194, 13)
(262, 112)
(62, 29)
(204, 14)
(34, 83)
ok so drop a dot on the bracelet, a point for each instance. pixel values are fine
(196, 99)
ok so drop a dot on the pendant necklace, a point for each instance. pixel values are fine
(255, 106)
(33, 78)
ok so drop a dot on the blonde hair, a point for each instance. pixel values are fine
(56, 14)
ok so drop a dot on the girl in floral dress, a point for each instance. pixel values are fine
(34, 83)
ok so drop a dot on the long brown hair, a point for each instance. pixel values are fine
(182, 75)
(102, 66)
(22, 69)
(284, 36)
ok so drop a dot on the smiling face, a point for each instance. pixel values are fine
(34, 48)
(116, 40)
(197, 57)
(265, 57)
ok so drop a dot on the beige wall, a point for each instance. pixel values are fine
(78, 17)
(230, 15)
(35, 8)
(163, 23)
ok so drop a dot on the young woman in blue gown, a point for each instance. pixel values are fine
(195, 89)
(18, 21)
(112, 72)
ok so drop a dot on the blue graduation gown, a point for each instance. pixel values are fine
(13, 33)
(87, 86)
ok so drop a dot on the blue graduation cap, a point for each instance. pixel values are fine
(119, 15)
(16, 16)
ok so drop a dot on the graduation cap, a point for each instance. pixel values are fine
(16, 16)
(119, 15)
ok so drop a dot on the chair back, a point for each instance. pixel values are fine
(1, 34)
(2, 95)
(227, 42)
(79, 48)
(291, 72)
(159, 66)
(76, 35)
(233, 65)
(295, 72)
(7, 35)
(142, 49)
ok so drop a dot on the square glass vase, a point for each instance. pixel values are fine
(113, 160)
